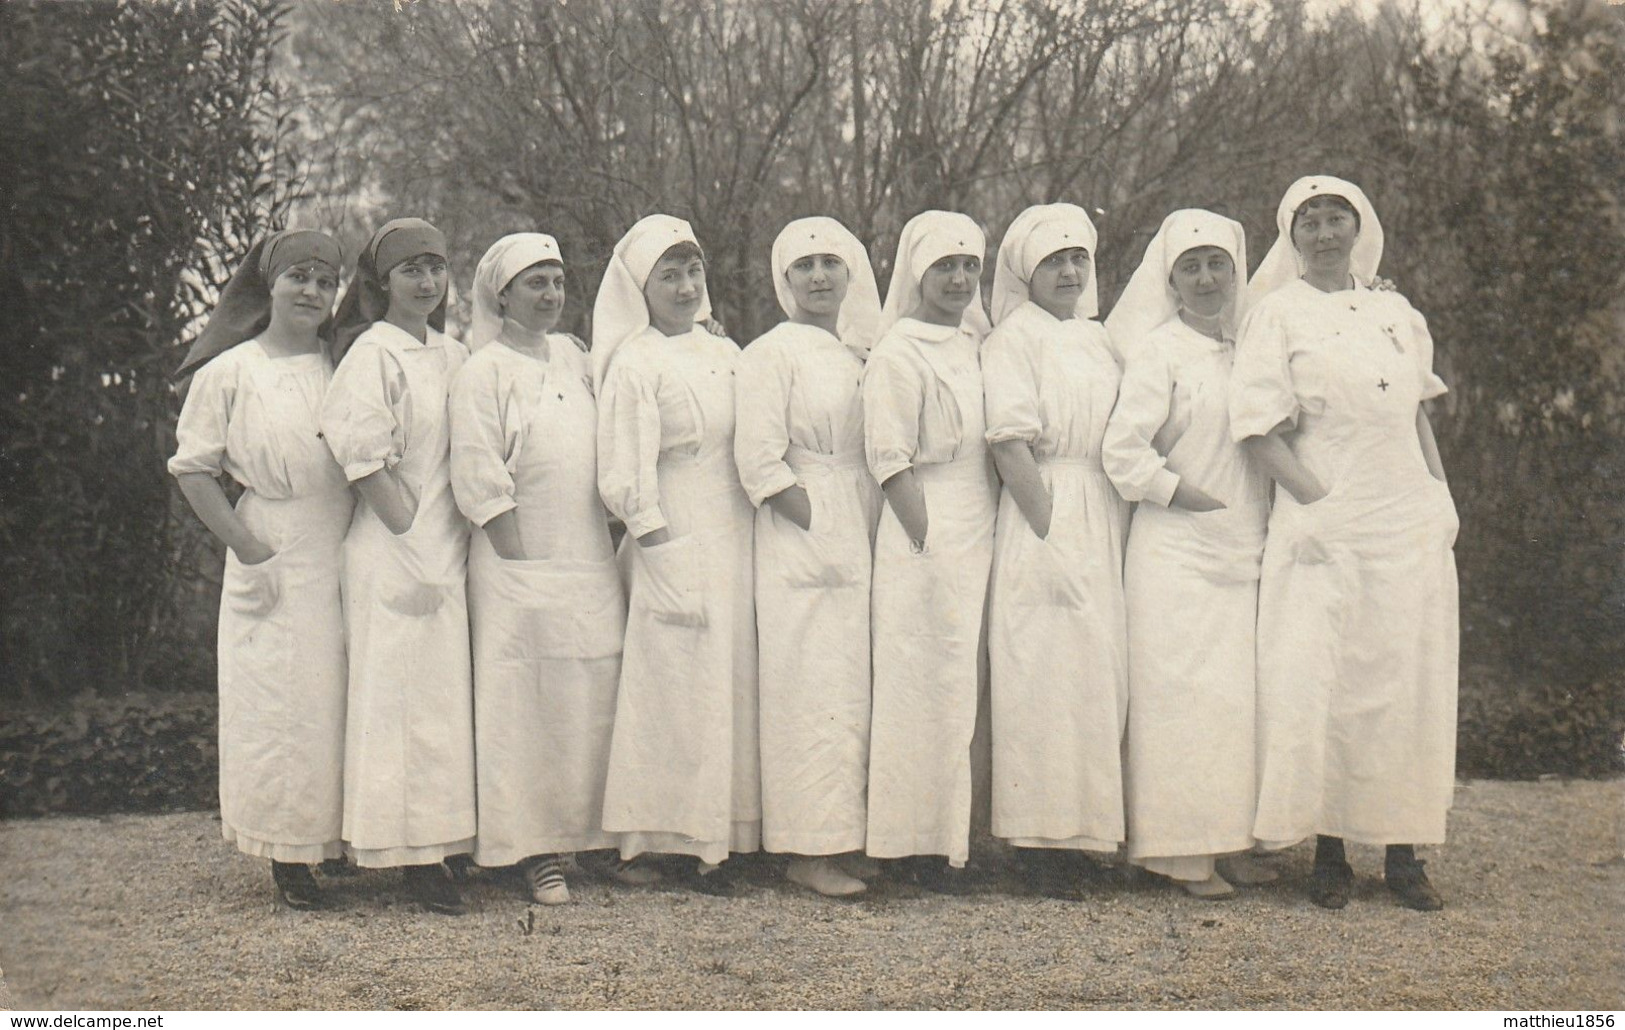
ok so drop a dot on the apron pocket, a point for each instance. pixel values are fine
(1050, 577)
(417, 600)
(929, 585)
(551, 609)
(669, 587)
(254, 590)
(1307, 546)
(816, 559)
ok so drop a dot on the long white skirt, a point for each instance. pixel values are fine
(282, 682)
(1192, 586)
(409, 748)
(1358, 650)
(812, 620)
(1060, 666)
(684, 770)
(547, 658)
(927, 617)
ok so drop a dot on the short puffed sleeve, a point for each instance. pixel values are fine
(1144, 399)
(1432, 385)
(893, 399)
(1261, 388)
(363, 415)
(629, 444)
(762, 426)
(1010, 383)
(200, 435)
(483, 445)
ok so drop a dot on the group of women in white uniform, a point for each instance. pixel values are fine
(842, 544)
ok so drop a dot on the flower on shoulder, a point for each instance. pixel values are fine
(1379, 283)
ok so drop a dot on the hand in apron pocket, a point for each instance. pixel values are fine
(1307, 547)
(815, 557)
(416, 600)
(254, 590)
(670, 588)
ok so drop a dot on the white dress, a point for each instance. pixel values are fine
(922, 409)
(546, 630)
(684, 772)
(409, 750)
(1357, 632)
(801, 422)
(281, 641)
(1056, 646)
(1192, 584)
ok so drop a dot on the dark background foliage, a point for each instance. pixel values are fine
(148, 144)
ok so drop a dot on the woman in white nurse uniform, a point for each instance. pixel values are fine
(684, 771)
(1357, 635)
(545, 602)
(1056, 644)
(1193, 557)
(409, 749)
(260, 370)
(799, 446)
(923, 439)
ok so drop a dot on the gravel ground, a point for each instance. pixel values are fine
(140, 912)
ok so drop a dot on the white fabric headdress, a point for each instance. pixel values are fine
(1150, 300)
(1038, 232)
(859, 319)
(929, 237)
(507, 258)
(1283, 263)
(619, 312)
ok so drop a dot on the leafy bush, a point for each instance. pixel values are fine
(143, 146)
(138, 752)
(1540, 728)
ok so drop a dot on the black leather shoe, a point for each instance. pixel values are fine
(434, 891)
(337, 867)
(1329, 885)
(721, 882)
(933, 873)
(1410, 883)
(296, 886)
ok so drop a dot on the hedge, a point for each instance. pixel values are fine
(156, 752)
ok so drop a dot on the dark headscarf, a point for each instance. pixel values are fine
(244, 308)
(366, 301)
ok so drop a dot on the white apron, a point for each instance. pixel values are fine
(1358, 627)
(409, 750)
(927, 618)
(281, 631)
(801, 422)
(1191, 580)
(684, 772)
(1056, 625)
(546, 631)
(812, 610)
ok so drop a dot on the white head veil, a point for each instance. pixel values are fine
(860, 312)
(1038, 232)
(619, 312)
(1283, 263)
(507, 258)
(1150, 300)
(929, 237)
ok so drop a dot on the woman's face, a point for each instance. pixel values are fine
(1205, 280)
(818, 283)
(418, 285)
(949, 285)
(1324, 234)
(674, 292)
(302, 296)
(535, 297)
(1058, 281)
